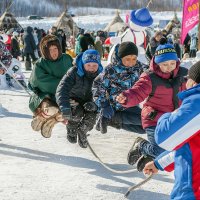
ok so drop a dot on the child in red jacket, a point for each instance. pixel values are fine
(158, 87)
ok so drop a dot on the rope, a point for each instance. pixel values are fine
(138, 185)
(122, 172)
(107, 167)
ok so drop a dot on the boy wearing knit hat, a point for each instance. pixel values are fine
(179, 133)
(158, 87)
(44, 79)
(120, 75)
(74, 96)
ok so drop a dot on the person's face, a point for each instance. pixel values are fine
(129, 61)
(167, 66)
(190, 83)
(53, 50)
(158, 37)
(91, 67)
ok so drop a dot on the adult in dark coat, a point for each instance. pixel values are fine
(29, 47)
(15, 50)
(74, 96)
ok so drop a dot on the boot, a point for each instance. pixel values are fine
(47, 127)
(37, 123)
(142, 161)
(82, 139)
(102, 124)
(82, 134)
(72, 135)
(28, 66)
(135, 153)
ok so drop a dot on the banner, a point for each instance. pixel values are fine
(190, 17)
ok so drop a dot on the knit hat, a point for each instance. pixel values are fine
(127, 48)
(164, 53)
(46, 42)
(91, 55)
(194, 72)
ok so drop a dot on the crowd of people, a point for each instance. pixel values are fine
(82, 94)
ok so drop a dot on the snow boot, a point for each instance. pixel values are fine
(142, 161)
(37, 122)
(47, 127)
(72, 135)
(135, 153)
(28, 65)
(82, 139)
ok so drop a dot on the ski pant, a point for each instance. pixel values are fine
(150, 147)
(81, 120)
(130, 119)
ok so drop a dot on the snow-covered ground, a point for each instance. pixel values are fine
(93, 22)
(35, 168)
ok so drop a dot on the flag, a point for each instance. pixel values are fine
(190, 17)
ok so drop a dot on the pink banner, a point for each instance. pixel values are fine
(190, 17)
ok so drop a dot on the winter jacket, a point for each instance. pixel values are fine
(15, 50)
(115, 79)
(180, 131)
(75, 85)
(29, 42)
(162, 99)
(45, 78)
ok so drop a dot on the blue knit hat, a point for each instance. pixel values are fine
(91, 55)
(141, 17)
(164, 53)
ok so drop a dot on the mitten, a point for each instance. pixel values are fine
(107, 110)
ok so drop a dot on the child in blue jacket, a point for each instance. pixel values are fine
(179, 133)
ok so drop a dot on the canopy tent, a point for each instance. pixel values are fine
(66, 23)
(8, 21)
(116, 24)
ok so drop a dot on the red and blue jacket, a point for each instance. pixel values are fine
(179, 133)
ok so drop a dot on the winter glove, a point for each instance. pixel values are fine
(90, 106)
(67, 113)
(107, 110)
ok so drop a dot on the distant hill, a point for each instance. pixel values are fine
(22, 8)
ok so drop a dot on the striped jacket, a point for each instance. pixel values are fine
(179, 132)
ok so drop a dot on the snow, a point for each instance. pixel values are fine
(33, 167)
(93, 22)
